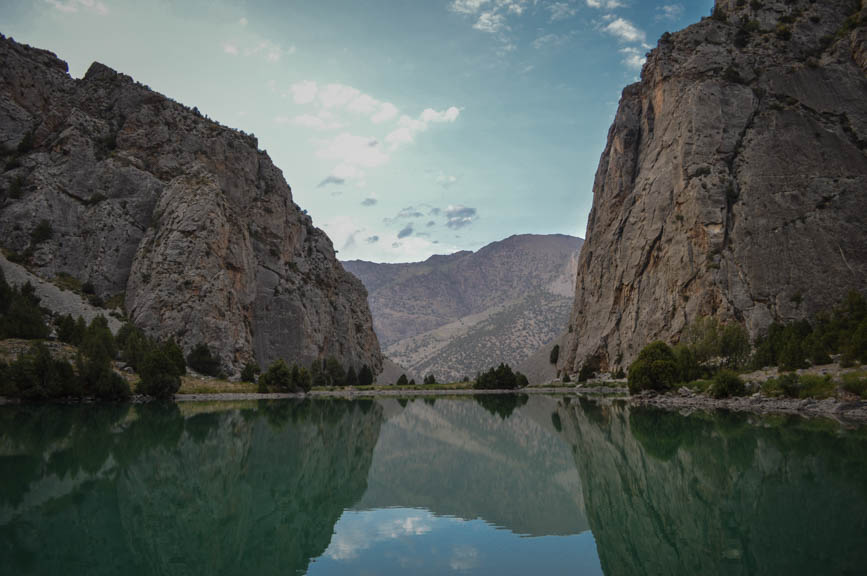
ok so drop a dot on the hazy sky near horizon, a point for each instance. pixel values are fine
(405, 127)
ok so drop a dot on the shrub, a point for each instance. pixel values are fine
(160, 374)
(248, 374)
(789, 385)
(855, 383)
(814, 386)
(278, 377)
(726, 384)
(566, 379)
(688, 368)
(41, 233)
(734, 345)
(500, 378)
(202, 361)
(654, 369)
(20, 315)
(555, 354)
(365, 376)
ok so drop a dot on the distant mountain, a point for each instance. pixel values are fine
(454, 315)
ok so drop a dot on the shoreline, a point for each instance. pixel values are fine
(841, 410)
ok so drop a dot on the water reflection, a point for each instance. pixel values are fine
(722, 493)
(506, 485)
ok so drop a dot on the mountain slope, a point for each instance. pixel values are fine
(733, 180)
(118, 186)
(455, 315)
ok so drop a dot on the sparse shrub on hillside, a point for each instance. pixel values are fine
(654, 369)
(41, 233)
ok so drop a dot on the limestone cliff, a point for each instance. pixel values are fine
(733, 182)
(187, 219)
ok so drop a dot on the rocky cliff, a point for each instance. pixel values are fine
(457, 314)
(116, 185)
(733, 180)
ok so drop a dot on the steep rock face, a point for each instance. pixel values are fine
(454, 315)
(186, 218)
(733, 180)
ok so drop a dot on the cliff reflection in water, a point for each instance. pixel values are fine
(434, 486)
(149, 490)
(720, 494)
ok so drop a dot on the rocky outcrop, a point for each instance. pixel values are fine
(186, 218)
(454, 315)
(733, 180)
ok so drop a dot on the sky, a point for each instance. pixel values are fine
(406, 128)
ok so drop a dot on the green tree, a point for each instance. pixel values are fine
(402, 381)
(727, 383)
(203, 361)
(555, 354)
(335, 372)
(365, 376)
(160, 374)
(277, 378)
(351, 377)
(430, 380)
(734, 345)
(248, 374)
(654, 369)
(98, 342)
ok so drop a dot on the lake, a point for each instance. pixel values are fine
(485, 485)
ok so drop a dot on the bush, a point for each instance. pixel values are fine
(202, 361)
(248, 374)
(654, 369)
(855, 383)
(726, 384)
(41, 233)
(500, 378)
(688, 368)
(20, 315)
(555, 354)
(278, 377)
(159, 371)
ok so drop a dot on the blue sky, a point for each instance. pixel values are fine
(405, 127)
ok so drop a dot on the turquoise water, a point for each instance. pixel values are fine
(494, 485)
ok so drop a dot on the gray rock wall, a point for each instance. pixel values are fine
(733, 182)
(186, 218)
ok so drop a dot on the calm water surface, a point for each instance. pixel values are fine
(493, 485)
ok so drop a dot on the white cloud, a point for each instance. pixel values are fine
(561, 11)
(342, 97)
(304, 92)
(633, 57)
(72, 6)
(446, 180)
(625, 31)
(243, 22)
(467, 6)
(409, 127)
(230, 49)
(387, 111)
(490, 22)
(353, 150)
(323, 121)
(669, 12)
(605, 4)
(551, 40)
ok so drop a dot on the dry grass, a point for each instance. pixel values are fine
(199, 385)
